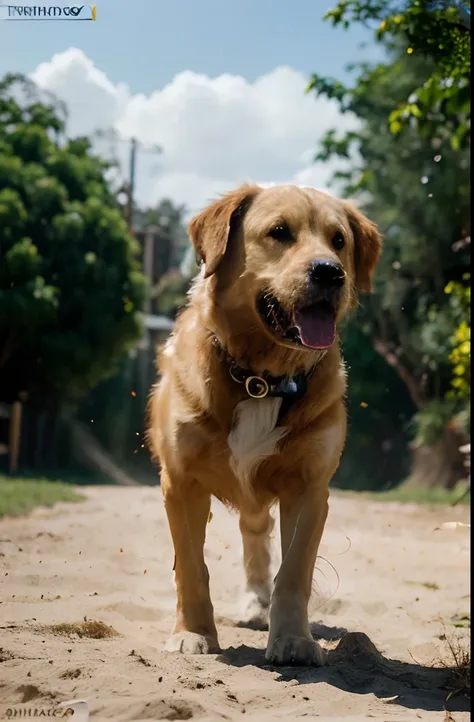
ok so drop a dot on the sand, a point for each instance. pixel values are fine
(388, 585)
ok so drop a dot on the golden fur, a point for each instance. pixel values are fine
(211, 439)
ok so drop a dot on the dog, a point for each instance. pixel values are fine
(250, 408)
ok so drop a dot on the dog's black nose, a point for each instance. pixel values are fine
(327, 274)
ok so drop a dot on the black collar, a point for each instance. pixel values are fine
(259, 386)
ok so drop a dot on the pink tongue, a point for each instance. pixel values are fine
(316, 325)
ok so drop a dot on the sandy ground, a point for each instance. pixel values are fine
(386, 575)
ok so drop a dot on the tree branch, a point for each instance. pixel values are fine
(410, 382)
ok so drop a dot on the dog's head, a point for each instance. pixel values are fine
(293, 257)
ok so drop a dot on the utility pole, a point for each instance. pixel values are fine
(135, 146)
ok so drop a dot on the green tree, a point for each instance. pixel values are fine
(460, 356)
(410, 172)
(71, 289)
(438, 31)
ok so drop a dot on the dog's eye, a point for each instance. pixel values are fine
(338, 241)
(281, 233)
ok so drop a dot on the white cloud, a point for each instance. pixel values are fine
(215, 132)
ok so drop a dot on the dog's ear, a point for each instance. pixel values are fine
(367, 247)
(210, 230)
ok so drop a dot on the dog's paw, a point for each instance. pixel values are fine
(254, 613)
(191, 643)
(295, 651)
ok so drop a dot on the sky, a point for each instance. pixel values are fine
(219, 86)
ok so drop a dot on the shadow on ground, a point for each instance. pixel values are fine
(357, 666)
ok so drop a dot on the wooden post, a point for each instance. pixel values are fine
(14, 434)
(149, 243)
(131, 183)
(149, 248)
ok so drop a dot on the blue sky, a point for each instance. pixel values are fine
(144, 43)
(220, 85)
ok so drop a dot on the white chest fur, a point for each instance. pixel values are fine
(254, 436)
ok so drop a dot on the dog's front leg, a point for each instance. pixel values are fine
(255, 529)
(302, 522)
(187, 507)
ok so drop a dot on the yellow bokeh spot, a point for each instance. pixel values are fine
(409, 51)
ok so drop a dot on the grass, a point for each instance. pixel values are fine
(423, 496)
(458, 663)
(19, 497)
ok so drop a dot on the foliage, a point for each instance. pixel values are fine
(429, 423)
(460, 357)
(429, 30)
(70, 286)
(374, 456)
(413, 180)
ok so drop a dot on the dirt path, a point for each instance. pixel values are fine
(110, 559)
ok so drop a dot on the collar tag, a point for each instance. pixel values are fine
(288, 386)
(290, 389)
(256, 387)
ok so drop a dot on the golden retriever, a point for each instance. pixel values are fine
(249, 406)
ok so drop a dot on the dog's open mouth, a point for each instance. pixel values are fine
(313, 326)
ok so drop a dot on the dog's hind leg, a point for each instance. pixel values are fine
(187, 507)
(255, 529)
